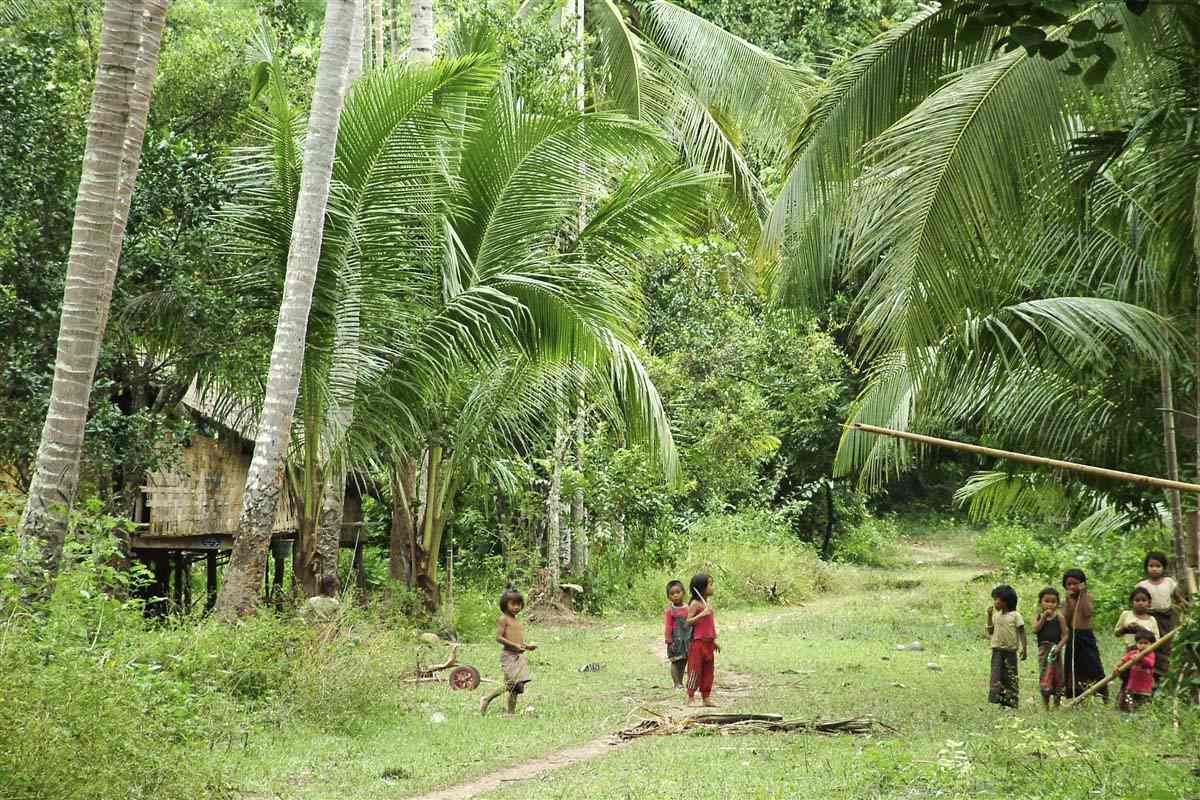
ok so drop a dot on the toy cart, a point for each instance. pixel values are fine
(462, 676)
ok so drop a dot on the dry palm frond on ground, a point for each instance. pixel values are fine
(663, 725)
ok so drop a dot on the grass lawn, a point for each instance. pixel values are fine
(834, 657)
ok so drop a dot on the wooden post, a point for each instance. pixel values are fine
(1024, 458)
(277, 578)
(210, 580)
(360, 572)
(1116, 673)
(162, 585)
(177, 568)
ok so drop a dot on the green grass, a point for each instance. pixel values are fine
(834, 657)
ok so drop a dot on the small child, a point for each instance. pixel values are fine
(702, 660)
(1137, 617)
(1051, 631)
(1007, 630)
(1164, 595)
(1139, 678)
(510, 634)
(677, 633)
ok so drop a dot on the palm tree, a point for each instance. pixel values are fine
(915, 183)
(130, 37)
(421, 42)
(247, 563)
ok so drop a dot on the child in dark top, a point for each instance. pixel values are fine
(1051, 630)
(1081, 660)
(702, 658)
(1139, 678)
(1007, 631)
(677, 632)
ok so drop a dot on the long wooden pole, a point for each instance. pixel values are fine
(1100, 472)
(1116, 673)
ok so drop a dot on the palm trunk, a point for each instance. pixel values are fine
(393, 29)
(421, 41)
(377, 58)
(247, 562)
(402, 544)
(579, 534)
(1172, 458)
(129, 43)
(358, 40)
(554, 513)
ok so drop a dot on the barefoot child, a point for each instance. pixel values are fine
(701, 663)
(1007, 631)
(1081, 660)
(1051, 631)
(1137, 617)
(677, 633)
(1139, 678)
(1164, 595)
(510, 633)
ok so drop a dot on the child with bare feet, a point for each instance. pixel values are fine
(677, 633)
(701, 663)
(510, 633)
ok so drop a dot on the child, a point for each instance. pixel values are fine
(1164, 593)
(1137, 617)
(1051, 631)
(1007, 629)
(677, 633)
(510, 633)
(1139, 678)
(1081, 666)
(701, 663)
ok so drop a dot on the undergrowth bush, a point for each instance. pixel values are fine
(870, 543)
(1112, 560)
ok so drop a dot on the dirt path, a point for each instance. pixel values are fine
(529, 769)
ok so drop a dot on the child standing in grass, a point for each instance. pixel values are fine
(1007, 631)
(510, 634)
(1164, 596)
(1139, 678)
(1051, 631)
(1081, 664)
(677, 633)
(1137, 617)
(702, 660)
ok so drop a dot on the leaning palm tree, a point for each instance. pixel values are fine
(129, 43)
(915, 183)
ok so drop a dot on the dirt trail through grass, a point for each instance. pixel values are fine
(732, 686)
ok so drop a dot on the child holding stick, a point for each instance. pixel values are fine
(1051, 631)
(1139, 678)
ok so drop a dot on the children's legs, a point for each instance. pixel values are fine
(677, 671)
(707, 674)
(512, 702)
(487, 700)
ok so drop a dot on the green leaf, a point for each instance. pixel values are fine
(1096, 74)
(1083, 31)
(1073, 69)
(1052, 49)
(260, 76)
(1027, 36)
(1137, 7)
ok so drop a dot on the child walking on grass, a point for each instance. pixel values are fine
(701, 663)
(677, 633)
(1139, 678)
(1051, 631)
(510, 634)
(1007, 631)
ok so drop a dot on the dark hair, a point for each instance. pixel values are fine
(672, 584)
(700, 583)
(1077, 574)
(511, 594)
(1143, 635)
(1138, 591)
(1155, 555)
(1007, 595)
(329, 585)
(1049, 591)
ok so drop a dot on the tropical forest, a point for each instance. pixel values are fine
(632, 399)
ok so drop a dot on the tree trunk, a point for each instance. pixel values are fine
(579, 534)
(393, 29)
(554, 512)
(1172, 458)
(358, 40)
(129, 43)
(377, 54)
(329, 523)
(247, 562)
(402, 542)
(421, 40)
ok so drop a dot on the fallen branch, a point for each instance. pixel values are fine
(1121, 668)
(751, 723)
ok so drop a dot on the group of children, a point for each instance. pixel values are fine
(691, 634)
(1068, 654)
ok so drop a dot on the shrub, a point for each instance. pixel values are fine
(871, 542)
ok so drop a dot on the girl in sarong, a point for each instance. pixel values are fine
(514, 664)
(1081, 661)
(1051, 630)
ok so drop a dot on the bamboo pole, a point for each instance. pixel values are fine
(1099, 472)
(1116, 673)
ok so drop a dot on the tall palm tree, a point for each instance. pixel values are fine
(247, 563)
(421, 42)
(131, 33)
(915, 184)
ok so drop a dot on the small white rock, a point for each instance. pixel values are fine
(437, 717)
(933, 666)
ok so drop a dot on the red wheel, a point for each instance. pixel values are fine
(464, 678)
